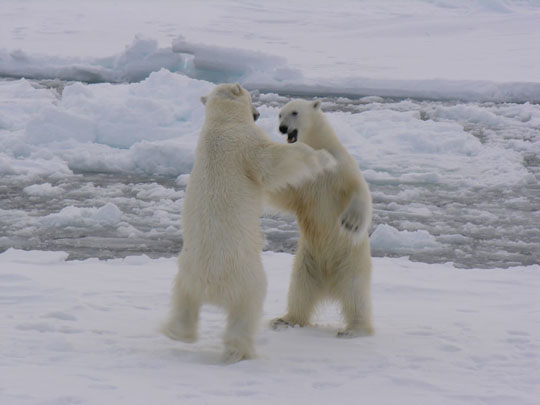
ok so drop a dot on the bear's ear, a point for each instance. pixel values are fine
(204, 99)
(237, 89)
(316, 104)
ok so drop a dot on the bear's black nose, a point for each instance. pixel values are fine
(283, 129)
(256, 116)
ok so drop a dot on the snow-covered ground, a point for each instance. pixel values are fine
(85, 333)
(437, 100)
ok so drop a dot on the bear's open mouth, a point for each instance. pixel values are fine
(292, 137)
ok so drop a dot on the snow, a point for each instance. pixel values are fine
(133, 127)
(43, 190)
(108, 215)
(86, 332)
(388, 238)
(145, 127)
(438, 101)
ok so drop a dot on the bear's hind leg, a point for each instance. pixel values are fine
(356, 307)
(304, 293)
(242, 322)
(184, 317)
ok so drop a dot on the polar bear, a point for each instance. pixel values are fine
(333, 212)
(220, 262)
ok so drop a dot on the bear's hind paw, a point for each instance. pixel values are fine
(177, 334)
(234, 355)
(283, 323)
(280, 323)
(356, 332)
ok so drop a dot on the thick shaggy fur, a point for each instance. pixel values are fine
(334, 214)
(220, 262)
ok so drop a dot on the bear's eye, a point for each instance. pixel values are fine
(294, 113)
(279, 116)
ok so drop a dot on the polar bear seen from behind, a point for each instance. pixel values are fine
(333, 211)
(220, 262)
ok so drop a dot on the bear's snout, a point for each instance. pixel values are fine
(292, 137)
(255, 113)
(283, 129)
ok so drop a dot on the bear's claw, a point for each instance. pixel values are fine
(355, 332)
(356, 217)
(279, 323)
(234, 355)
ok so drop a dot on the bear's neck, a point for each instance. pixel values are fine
(230, 113)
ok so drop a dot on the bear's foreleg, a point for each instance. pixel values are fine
(281, 165)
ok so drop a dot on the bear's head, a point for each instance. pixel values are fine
(229, 95)
(297, 118)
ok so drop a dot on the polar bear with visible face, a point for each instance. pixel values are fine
(334, 210)
(220, 262)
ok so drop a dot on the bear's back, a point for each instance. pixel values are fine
(222, 204)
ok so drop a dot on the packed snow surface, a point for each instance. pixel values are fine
(86, 332)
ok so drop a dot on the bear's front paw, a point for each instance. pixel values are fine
(326, 160)
(350, 222)
(356, 218)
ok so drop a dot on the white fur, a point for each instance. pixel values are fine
(220, 262)
(334, 215)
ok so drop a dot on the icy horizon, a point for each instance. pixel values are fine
(254, 70)
(423, 49)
